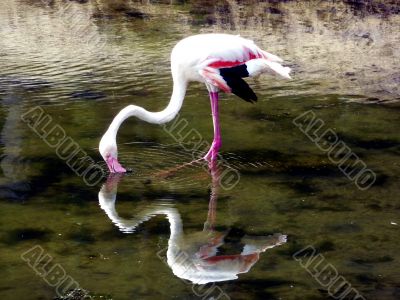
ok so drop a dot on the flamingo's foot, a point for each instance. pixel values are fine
(212, 154)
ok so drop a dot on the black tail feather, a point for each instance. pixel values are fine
(233, 77)
(240, 88)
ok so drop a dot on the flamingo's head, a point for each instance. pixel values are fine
(109, 152)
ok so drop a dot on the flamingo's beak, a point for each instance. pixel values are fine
(114, 166)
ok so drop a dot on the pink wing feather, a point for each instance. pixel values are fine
(231, 51)
(227, 51)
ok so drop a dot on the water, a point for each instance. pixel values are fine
(345, 61)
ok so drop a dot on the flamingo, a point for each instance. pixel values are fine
(220, 61)
(192, 256)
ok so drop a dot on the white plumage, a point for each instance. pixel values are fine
(200, 58)
(191, 256)
(197, 52)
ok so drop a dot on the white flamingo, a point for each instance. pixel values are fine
(218, 60)
(192, 256)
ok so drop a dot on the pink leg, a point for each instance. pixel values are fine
(216, 144)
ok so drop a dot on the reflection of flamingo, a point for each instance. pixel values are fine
(218, 60)
(193, 257)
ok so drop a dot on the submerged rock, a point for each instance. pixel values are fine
(77, 294)
(111, 9)
(81, 294)
(136, 14)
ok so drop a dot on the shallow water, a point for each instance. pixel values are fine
(112, 236)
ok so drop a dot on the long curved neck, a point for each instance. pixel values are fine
(166, 115)
(107, 199)
(125, 225)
